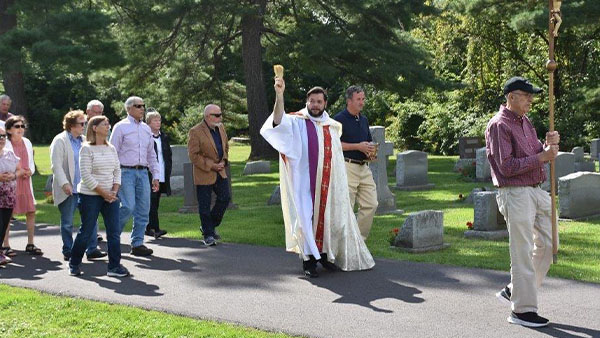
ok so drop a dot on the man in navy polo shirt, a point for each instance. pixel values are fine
(356, 144)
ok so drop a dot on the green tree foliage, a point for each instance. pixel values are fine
(56, 45)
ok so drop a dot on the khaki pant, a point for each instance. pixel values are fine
(527, 212)
(362, 190)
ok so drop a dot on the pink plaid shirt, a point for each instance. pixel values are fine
(512, 147)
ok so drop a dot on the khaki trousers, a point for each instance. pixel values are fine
(527, 211)
(361, 188)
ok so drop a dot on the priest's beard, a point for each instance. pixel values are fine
(316, 113)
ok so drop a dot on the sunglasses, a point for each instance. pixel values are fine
(80, 124)
(140, 106)
(2, 136)
(19, 126)
(216, 115)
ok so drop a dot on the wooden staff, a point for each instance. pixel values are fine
(553, 25)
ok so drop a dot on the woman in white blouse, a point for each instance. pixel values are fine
(100, 181)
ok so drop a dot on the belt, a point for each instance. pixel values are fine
(351, 160)
(537, 185)
(138, 167)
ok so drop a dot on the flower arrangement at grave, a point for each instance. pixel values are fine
(392, 235)
(468, 172)
(470, 225)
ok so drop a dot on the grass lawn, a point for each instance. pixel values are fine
(27, 313)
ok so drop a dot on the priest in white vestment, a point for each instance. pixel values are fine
(320, 224)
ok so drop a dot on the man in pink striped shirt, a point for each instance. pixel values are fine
(517, 160)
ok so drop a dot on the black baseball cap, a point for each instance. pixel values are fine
(520, 83)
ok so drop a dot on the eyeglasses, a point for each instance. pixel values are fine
(19, 126)
(2, 136)
(217, 115)
(80, 124)
(138, 106)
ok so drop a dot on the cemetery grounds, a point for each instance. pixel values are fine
(256, 223)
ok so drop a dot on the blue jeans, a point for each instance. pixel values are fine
(211, 218)
(135, 200)
(67, 209)
(90, 206)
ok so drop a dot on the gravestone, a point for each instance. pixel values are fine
(48, 186)
(579, 155)
(588, 166)
(177, 185)
(483, 171)
(471, 198)
(461, 163)
(275, 196)
(564, 164)
(190, 200)
(385, 198)
(468, 145)
(578, 195)
(595, 148)
(581, 163)
(179, 157)
(257, 167)
(422, 231)
(241, 140)
(488, 222)
(411, 171)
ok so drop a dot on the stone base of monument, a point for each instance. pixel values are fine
(578, 219)
(487, 235)
(414, 187)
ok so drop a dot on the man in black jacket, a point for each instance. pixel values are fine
(165, 162)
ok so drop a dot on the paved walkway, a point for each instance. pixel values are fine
(262, 287)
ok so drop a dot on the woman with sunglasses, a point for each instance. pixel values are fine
(25, 201)
(100, 182)
(10, 170)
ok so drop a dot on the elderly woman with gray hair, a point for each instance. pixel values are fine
(162, 148)
(10, 170)
(25, 200)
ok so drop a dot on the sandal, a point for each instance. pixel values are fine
(33, 250)
(8, 252)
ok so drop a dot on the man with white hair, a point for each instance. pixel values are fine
(94, 108)
(132, 138)
(208, 151)
(5, 103)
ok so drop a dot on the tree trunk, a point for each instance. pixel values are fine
(256, 96)
(12, 75)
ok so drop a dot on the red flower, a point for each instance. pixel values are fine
(470, 225)
(396, 230)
